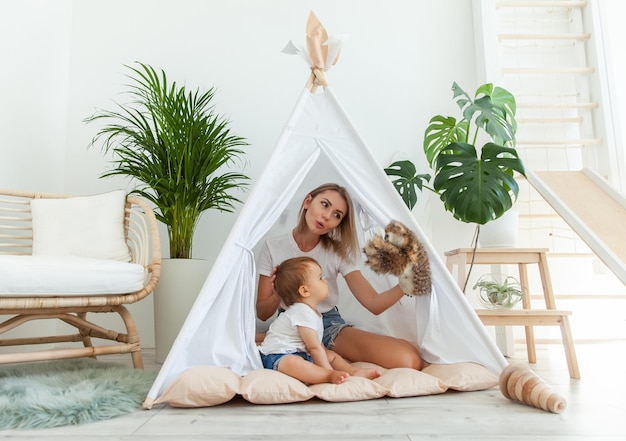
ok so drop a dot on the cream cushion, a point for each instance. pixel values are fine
(210, 385)
(465, 376)
(266, 386)
(406, 382)
(67, 275)
(86, 226)
(352, 389)
(201, 386)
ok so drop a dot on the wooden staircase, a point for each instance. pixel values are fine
(542, 51)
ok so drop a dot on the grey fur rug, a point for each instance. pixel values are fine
(60, 393)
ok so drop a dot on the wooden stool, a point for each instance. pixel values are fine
(526, 316)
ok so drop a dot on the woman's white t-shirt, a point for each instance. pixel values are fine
(278, 249)
(283, 336)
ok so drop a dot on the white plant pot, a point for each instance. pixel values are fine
(500, 233)
(174, 295)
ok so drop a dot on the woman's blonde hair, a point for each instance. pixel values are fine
(290, 276)
(343, 239)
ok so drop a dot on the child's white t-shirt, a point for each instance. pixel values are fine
(283, 336)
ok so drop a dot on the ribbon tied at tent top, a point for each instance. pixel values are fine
(321, 52)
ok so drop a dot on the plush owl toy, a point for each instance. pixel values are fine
(400, 253)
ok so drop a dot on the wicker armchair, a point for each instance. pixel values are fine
(16, 239)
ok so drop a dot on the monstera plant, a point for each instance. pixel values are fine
(476, 185)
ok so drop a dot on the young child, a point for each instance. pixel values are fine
(293, 344)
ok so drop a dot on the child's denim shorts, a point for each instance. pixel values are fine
(270, 361)
(333, 324)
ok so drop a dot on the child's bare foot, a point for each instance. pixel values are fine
(366, 373)
(338, 377)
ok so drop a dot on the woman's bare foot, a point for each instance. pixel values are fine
(337, 377)
(366, 373)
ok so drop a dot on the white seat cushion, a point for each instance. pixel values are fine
(67, 275)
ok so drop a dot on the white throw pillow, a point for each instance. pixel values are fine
(85, 226)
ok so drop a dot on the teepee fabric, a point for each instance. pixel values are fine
(319, 144)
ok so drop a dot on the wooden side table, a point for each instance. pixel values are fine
(526, 316)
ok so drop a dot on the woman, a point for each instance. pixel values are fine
(326, 232)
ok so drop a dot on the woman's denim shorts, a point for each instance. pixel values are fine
(333, 324)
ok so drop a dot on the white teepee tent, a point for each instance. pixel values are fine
(318, 145)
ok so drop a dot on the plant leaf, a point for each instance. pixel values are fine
(477, 190)
(441, 132)
(493, 110)
(409, 182)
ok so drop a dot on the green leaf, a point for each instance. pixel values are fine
(460, 96)
(409, 182)
(494, 111)
(477, 190)
(441, 132)
(505, 100)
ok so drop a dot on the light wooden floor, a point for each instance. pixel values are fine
(596, 411)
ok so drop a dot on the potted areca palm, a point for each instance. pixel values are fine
(175, 145)
(177, 148)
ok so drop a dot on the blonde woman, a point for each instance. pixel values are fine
(326, 232)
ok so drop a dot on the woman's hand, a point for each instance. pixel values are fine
(273, 279)
(268, 300)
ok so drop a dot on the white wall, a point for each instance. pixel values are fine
(613, 35)
(35, 51)
(66, 58)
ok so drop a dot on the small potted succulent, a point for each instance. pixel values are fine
(496, 291)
